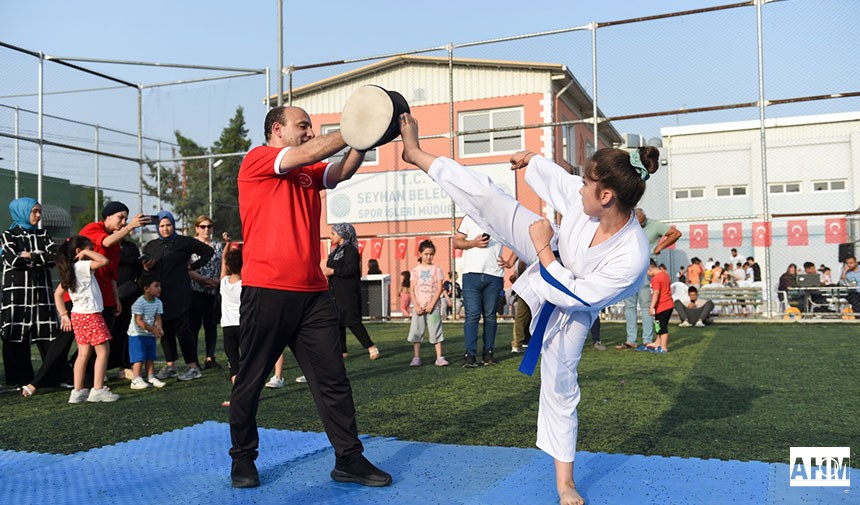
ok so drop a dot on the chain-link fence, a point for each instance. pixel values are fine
(73, 134)
(698, 84)
(758, 122)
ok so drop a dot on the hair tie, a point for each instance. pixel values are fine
(636, 161)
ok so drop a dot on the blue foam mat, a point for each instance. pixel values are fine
(191, 466)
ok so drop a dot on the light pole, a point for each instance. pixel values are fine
(211, 166)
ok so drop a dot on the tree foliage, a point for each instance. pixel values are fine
(185, 185)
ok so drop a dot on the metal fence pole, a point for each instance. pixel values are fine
(139, 148)
(281, 53)
(96, 185)
(764, 189)
(17, 156)
(158, 173)
(452, 264)
(41, 153)
(593, 27)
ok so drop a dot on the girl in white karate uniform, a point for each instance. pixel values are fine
(597, 256)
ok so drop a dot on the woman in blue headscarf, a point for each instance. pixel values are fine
(27, 315)
(170, 258)
(343, 269)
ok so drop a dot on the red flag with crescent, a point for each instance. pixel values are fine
(361, 245)
(376, 248)
(761, 234)
(797, 232)
(834, 231)
(401, 244)
(698, 236)
(733, 234)
(458, 253)
(418, 241)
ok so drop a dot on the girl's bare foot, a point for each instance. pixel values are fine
(409, 136)
(569, 496)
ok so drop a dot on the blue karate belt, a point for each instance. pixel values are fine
(530, 358)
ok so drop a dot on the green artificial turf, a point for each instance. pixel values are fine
(730, 391)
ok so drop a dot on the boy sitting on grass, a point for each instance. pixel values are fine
(145, 327)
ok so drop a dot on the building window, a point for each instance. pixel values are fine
(723, 191)
(785, 187)
(503, 142)
(370, 157)
(589, 149)
(568, 144)
(835, 185)
(688, 193)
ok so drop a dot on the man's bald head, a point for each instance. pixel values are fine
(292, 126)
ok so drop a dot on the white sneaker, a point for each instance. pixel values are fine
(700, 324)
(155, 382)
(301, 379)
(139, 383)
(275, 382)
(102, 395)
(190, 374)
(685, 324)
(79, 395)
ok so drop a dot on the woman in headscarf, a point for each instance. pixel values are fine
(343, 269)
(169, 259)
(27, 314)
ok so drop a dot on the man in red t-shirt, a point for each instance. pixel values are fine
(285, 299)
(661, 307)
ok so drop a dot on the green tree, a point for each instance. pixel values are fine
(225, 191)
(82, 215)
(185, 185)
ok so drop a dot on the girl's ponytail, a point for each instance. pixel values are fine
(65, 259)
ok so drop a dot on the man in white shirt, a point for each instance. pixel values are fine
(735, 258)
(483, 279)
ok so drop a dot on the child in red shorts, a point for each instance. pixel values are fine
(76, 262)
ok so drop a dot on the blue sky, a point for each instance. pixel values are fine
(686, 62)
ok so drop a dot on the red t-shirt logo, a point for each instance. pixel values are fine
(305, 180)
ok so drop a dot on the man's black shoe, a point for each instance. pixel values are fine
(488, 358)
(469, 361)
(244, 474)
(361, 471)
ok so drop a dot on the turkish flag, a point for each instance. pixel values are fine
(458, 253)
(698, 236)
(376, 248)
(834, 231)
(797, 232)
(418, 241)
(401, 244)
(361, 245)
(733, 234)
(761, 234)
